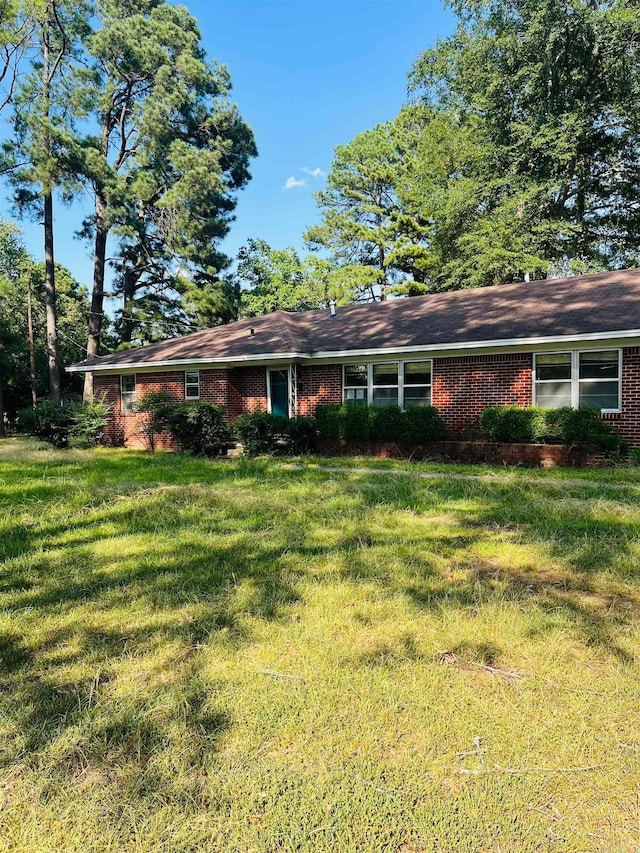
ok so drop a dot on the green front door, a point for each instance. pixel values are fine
(279, 384)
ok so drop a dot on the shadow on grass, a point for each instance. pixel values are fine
(199, 565)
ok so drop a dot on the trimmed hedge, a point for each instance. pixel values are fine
(263, 433)
(198, 428)
(81, 424)
(386, 423)
(575, 427)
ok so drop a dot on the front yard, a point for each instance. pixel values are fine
(252, 656)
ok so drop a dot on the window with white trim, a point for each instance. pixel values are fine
(128, 392)
(192, 385)
(589, 379)
(390, 383)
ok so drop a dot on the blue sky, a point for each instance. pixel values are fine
(307, 76)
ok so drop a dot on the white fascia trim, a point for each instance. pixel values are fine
(181, 362)
(466, 345)
(358, 353)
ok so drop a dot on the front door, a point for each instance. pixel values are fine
(279, 387)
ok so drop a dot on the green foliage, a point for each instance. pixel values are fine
(387, 423)
(576, 427)
(279, 280)
(584, 427)
(172, 154)
(89, 421)
(18, 272)
(262, 433)
(198, 428)
(548, 176)
(514, 423)
(81, 424)
(49, 422)
(415, 425)
(421, 424)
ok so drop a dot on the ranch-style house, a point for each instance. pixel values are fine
(557, 342)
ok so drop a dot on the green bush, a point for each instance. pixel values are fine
(49, 422)
(77, 423)
(301, 436)
(198, 428)
(385, 423)
(261, 433)
(513, 424)
(421, 424)
(330, 421)
(575, 427)
(358, 423)
(89, 422)
(584, 427)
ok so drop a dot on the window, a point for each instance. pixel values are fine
(385, 385)
(392, 383)
(580, 379)
(599, 380)
(417, 384)
(553, 380)
(128, 392)
(192, 385)
(356, 384)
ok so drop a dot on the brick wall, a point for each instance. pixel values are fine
(628, 421)
(127, 429)
(463, 386)
(317, 385)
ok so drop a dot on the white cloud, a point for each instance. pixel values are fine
(315, 173)
(294, 182)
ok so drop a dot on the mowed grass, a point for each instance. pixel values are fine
(245, 656)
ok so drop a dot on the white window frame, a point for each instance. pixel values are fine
(131, 395)
(400, 386)
(187, 384)
(575, 376)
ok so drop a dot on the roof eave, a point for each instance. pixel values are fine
(364, 352)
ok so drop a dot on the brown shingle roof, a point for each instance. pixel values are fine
(597, 304)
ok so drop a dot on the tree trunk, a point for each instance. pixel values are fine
(97, 293)
(49, 276)
(32, 350)
(131, 279)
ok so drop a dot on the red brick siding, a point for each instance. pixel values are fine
(465, 385)
(317, 385)
(214, 386)
(128, 429)
(462, 387)
(628, 421)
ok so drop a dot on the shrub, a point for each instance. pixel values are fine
(386, 423)
(421, 424)
(301, 436)
(513, 423)
(330, 421)
(580, 427)
(49, 422)
(261, 433)
(575, 427)
(198, 428)
(358, 422)
(154, 404)
(89, 421)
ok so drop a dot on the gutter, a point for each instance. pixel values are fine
(464, 346)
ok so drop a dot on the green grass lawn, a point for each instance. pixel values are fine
(244, 656)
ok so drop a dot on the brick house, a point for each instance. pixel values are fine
(557, 342)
